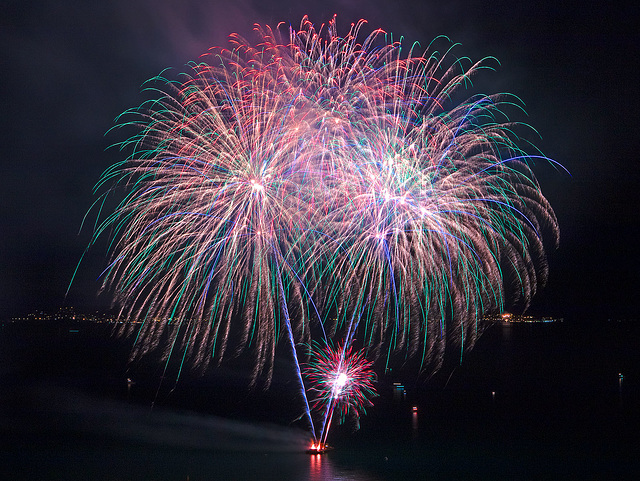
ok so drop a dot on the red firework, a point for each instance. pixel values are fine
(340, 379)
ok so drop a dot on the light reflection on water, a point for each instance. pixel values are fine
(321, 468)
(493, 428)
(414, 424)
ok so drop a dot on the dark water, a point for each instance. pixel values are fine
(529, 402)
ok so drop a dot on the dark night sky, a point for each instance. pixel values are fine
(68, 68)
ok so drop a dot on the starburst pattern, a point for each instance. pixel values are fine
(321, 186)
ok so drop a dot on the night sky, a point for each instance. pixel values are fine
(69, 68)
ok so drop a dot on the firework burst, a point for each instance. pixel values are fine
(341, 381)
(321, 187)
(341, 376)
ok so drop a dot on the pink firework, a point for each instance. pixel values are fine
(298, 185)
(342, 381)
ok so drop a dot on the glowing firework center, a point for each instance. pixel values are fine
(339, 384)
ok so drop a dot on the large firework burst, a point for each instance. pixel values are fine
(322, 180)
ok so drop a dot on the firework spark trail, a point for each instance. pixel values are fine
(289, 330)
(317, 181)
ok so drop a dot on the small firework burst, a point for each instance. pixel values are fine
(342, 381)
